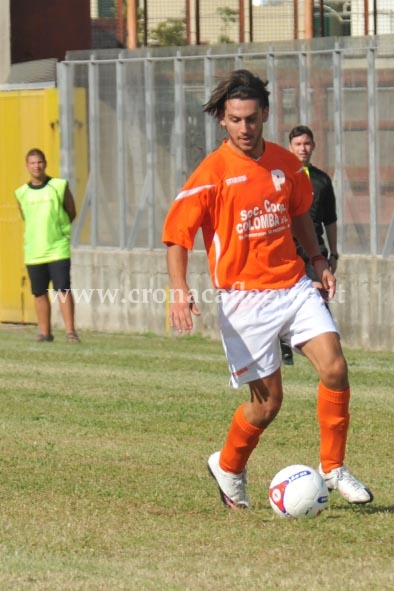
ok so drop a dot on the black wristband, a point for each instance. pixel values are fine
(334, 255)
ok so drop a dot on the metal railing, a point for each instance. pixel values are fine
(146, 131)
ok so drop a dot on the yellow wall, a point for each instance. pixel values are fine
(28, 119)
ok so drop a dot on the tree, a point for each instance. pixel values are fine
(227, 15)
(169, 32)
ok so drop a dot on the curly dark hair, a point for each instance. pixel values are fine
(239, 84)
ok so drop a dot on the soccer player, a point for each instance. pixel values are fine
(247, 197)
(323, 211)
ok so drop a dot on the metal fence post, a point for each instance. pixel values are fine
(372, 151)
(150, 151)
(179, 122)
(338, 142)
(94, 138)
(209, 126)
(121, 169)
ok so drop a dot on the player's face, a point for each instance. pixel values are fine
(243, 120)
(302, 146)
(36, 167)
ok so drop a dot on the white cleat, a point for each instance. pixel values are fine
(347, 485)
(232, 487)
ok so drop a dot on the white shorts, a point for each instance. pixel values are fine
(252, 322)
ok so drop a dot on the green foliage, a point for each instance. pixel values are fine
(140, 26)
(104, 484)
(228, 15)
(225, 39)
(169, 33)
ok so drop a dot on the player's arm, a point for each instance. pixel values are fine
(304, 231)
(182, 305)
(331, 233)
(69, 204)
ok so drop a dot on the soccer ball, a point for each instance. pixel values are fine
(298, 491)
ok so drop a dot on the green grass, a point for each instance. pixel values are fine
(103, 479)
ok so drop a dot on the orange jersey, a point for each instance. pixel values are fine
(244, 208)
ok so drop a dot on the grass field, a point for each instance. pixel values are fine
(104, 483)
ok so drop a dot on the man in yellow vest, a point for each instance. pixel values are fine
(48, 209)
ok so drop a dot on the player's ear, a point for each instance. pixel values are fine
(266, 112)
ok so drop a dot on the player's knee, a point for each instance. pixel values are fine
(267, 414)
(335, 374)
(261, 415)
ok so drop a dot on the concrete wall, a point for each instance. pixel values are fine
(140, 302)
(366, 316)
(363, 307)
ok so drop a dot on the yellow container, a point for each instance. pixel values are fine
(29, 119)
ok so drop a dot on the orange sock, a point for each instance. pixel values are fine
(333, 416)
(241, 440)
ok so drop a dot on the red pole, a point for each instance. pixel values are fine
(366, 17)
(308, 8)
(132, 38)
(295, 10)
(241, 21)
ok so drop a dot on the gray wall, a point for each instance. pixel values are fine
(363, 307)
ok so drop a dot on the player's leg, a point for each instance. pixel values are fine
(325, 352)
(249, 327)
(39, 280)
(43, 311)
(61, 279)
(228, 466)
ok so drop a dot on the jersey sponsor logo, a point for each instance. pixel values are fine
(278, 178)
(236, 179)
(258, 221)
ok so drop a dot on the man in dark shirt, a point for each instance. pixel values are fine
(323, 210)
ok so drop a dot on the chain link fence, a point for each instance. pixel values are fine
(146, 130)
(212, 22)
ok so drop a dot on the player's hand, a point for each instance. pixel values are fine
(329, 284)
(181, 311)
(323, 292)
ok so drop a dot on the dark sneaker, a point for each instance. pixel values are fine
(44, 338)
(287, 354)
(72, 338)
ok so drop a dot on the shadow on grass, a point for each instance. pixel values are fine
(368, 509)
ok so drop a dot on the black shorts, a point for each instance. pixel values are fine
(57, 272)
